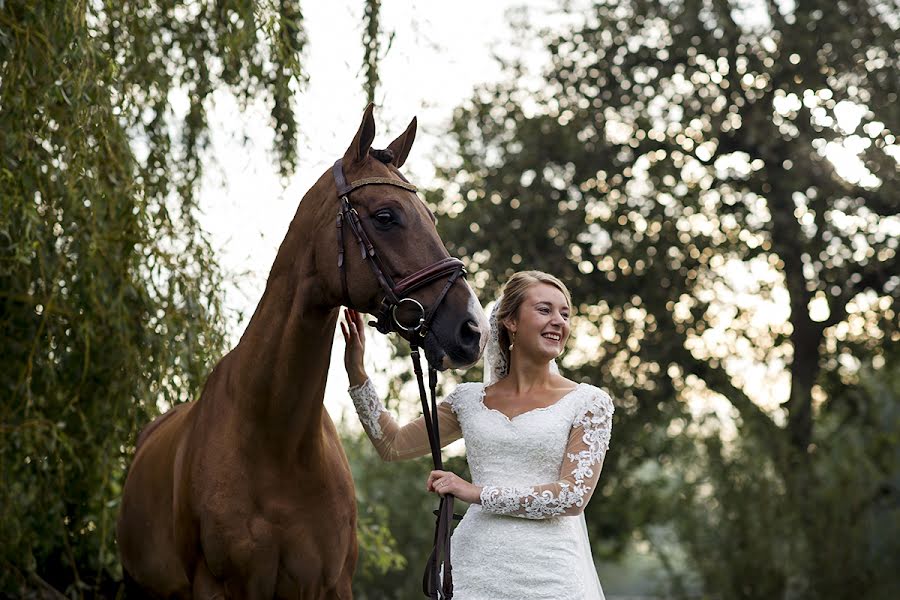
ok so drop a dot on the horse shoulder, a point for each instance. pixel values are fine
(158, 422)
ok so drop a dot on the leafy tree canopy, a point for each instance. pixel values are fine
(716, 181)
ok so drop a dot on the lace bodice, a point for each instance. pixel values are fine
(542, 463)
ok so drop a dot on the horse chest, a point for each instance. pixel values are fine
(296, 531)
(288, 557)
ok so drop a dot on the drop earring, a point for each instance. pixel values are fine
(513, 339)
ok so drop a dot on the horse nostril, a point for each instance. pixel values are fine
(469, 334)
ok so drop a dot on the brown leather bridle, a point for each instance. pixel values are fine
(399, 312)
(396, 295)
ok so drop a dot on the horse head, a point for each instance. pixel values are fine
(398, 237)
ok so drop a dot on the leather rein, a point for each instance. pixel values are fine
(389, 318)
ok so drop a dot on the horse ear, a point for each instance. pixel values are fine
(361, 143)
(401, 146)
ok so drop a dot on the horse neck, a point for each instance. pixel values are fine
(280, 366)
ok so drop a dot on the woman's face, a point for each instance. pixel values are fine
(542, 322)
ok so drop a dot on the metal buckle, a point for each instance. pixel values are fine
(417, 305)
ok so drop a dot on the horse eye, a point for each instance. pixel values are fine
(384, 217)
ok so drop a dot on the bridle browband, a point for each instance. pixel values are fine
(396, 298)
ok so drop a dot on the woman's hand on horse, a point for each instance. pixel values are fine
(445, 482)
(353, 330)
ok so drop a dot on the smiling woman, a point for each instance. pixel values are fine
(535, 444)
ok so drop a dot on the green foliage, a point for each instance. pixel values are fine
(375, 46)
(378, 547)
(110, 298)
(670, 165)
(371, 46)
(748, 538)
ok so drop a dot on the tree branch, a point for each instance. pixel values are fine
(719, 381)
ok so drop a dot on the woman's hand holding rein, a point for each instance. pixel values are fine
(445, 482)
(353, 330)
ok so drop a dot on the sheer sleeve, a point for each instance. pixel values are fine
(392, 441)
(580, 471)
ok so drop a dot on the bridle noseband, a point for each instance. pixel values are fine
(400, 312)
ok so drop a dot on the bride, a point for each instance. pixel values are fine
(535, 444)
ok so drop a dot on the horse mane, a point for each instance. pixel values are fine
(156, 423)
(385, 156)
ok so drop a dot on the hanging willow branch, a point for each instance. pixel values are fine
(372, 47)
(371, 41)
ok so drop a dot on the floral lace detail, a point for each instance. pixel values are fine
(596, 421)
(568, 496)
(368, 407)
(460, 399)
(530, 503)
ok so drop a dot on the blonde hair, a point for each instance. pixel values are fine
(514, 295)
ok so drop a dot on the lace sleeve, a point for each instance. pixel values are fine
(392, 441)
(580, 471)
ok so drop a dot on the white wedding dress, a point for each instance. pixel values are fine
(527, 538)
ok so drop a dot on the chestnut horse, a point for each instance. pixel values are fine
(247, 492)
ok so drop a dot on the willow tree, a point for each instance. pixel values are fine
(717, 180)
(110, 305)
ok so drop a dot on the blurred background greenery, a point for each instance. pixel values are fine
(715, 180)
